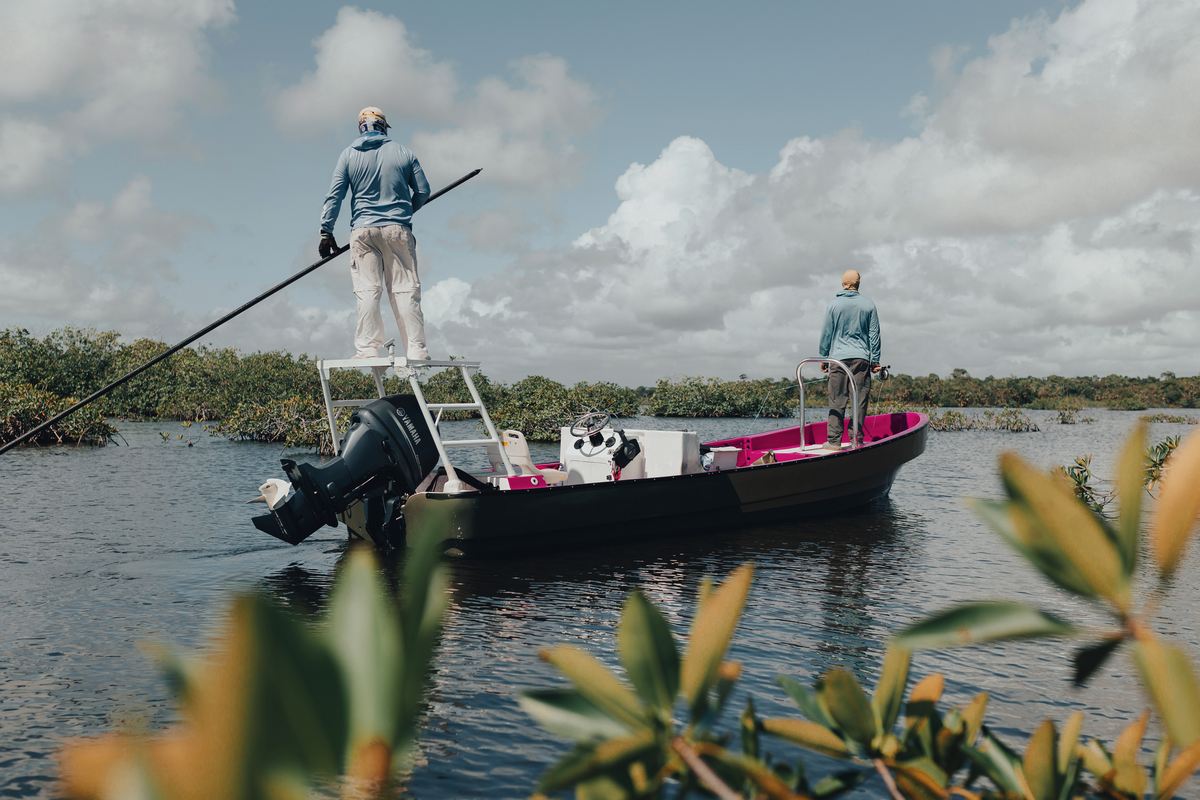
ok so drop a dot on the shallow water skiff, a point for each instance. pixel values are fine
(394, 481)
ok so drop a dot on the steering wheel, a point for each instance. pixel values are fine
(589, 424)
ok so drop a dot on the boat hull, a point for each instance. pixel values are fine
(570, 516)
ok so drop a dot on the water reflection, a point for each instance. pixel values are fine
(132, 560)
(299, 589)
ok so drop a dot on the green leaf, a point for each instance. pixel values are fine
(1131, 471)
(929, 689)
(805, 700)
(1096, 759)
(850, 707)
(807, 734)
(588, 762)
(1178, 505)
(1167, 674)
(180, 672)
(1069, 525)
(597, 684)
(973, 623)
(1068, 743)
(728, 673)
(1041, 755)
(569, 769)
(748, 726)
(973, 717)
(1038, 550)
(423, 601)
(1069, 779)
(948, 738)
(712, 630)
(294, 706)
(568, 713)
(603, 787)
(923, 723)
(732, 765)
(1090, 658)
(1162, 756)
(1178, 771)
(995, 760)
(839, 783)
(648, 652)
(800, 784)
(893, 679)
(921, 779)
(1130, 777)
(366, 640)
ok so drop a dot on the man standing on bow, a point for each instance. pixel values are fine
(850, 335)
(386, 186)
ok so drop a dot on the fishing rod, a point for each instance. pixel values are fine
(277, 287)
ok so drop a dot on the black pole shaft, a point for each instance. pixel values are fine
(277, 287)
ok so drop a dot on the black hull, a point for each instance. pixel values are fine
(571, 516)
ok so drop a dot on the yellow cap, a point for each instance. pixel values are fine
(372, 111)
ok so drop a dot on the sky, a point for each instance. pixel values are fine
(668, 189)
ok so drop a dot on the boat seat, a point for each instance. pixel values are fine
(518, 453)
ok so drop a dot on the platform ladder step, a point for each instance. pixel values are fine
(453, 484)
(402, 366)
(333, 408)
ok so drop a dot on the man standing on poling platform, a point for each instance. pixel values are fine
(850, 335)
(387, 185)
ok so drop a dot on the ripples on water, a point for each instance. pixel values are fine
(103, 551)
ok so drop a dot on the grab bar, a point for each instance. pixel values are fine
(853, 398)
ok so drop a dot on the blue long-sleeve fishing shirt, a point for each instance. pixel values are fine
(386, 181)
(851, 328)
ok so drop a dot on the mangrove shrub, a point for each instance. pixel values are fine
(281, 708)
(654, 733)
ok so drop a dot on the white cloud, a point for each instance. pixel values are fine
(78, 73)
(520, 134)
(31, 156)
(1046, 218)
(443, 301)
(97, 263)
(282, 323)
(48, 282)
(495, 229)
(366, 59)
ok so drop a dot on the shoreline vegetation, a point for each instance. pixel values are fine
(276, 397)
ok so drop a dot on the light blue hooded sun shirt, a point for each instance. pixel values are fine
(387, 181)
(851, 328)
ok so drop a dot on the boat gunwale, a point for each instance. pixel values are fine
(818, 457)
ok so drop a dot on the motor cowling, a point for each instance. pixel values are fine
(386, 453)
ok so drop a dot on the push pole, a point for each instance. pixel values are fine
(277, 287)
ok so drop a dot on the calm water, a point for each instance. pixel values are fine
(103, 551)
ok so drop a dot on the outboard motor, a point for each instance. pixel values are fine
(386, 453)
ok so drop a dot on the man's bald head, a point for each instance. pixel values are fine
(851, 279)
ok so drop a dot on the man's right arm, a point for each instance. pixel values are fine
(418, 185)
(337, 193)
(826, 335)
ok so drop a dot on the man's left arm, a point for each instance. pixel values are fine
(419, 185)
(875, 341)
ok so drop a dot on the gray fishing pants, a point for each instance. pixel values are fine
(839, 394)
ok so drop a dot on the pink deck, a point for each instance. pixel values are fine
(876, 429)
(752, 448)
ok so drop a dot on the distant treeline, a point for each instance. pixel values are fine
(275, 396)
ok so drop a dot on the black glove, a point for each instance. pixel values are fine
(328, 245)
